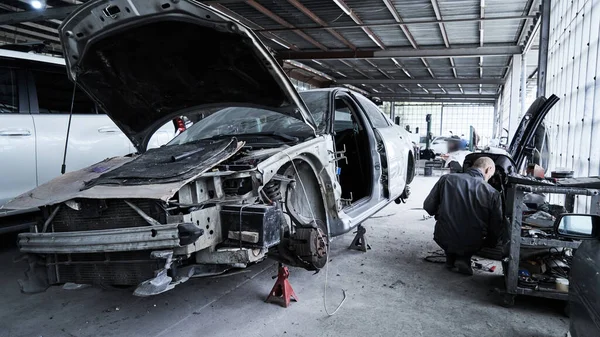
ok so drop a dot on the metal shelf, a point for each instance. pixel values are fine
(514, 207)
(537, 242)
(544, 292)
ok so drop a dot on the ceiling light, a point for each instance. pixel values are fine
(319, 63)
(343, 6)
(37, 4)
(375, 40)
(341, 74)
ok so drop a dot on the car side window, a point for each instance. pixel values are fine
(343, 119)
(9, 98)
(55, 93)
(373, 113)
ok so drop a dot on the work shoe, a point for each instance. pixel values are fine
(464, 267)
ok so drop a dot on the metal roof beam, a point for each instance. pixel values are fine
(424, 81)
(405, 23)
(346, 9)
(29, 16)
(441, 100)
(256, 27)
(284, 23)
(442, 96)
(319, 21)
(404, 53)
(25, 32)
(390, 6)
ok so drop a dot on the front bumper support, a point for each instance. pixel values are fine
(106, 240)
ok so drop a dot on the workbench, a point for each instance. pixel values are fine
(514, 209)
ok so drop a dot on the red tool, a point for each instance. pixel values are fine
(282, 290)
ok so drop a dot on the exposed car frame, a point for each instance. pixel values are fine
(199, 208)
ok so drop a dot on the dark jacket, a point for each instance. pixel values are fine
(468, 211)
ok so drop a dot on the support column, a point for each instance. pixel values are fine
(441, 120)
(523, 83)
(543, 49)
(497, 130)
(514, 108)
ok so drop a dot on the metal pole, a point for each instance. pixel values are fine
(513, 112)
(523, 83)
(442, 120)
(543, 49)
(497, 119)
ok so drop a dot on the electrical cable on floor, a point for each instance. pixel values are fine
(321, 237)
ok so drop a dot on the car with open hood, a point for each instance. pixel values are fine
(528, 142)
(263, 171)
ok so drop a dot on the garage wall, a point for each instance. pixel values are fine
(574, 123)
(573, 69)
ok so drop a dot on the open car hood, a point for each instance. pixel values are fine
(520, 146)
(146, 62)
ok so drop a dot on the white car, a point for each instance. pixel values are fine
(35, 101)
(263, 172)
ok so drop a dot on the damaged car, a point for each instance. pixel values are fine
(263, 171)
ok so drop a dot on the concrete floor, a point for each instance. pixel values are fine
(391, 291)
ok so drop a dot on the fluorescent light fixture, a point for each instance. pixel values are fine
(319, 63)
(341, 74)
(280, 43)
(406, 72)
(37, 4)
(375, 40)
(377, 91)
(343, 6)
(396, 62)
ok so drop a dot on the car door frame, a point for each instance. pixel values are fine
(357, 209)
(392, 139)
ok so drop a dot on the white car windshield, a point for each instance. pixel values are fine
(232, 121)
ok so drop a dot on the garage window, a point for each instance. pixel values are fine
(55, 93)
(9, 99)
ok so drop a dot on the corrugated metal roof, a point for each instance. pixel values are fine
(427, 34)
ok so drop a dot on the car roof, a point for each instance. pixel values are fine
(31, 57)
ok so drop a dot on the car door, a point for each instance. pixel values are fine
(17, 136)
(394, 143)
(93, 136)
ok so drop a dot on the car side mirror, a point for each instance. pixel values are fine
(577, 226)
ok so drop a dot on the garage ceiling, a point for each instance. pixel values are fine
(417, 50)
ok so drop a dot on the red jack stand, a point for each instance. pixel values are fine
(282, 288)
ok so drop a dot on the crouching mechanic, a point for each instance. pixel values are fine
(468, 213)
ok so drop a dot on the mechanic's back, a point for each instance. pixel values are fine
(468, 210)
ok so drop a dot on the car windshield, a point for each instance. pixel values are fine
(317, 103)
(232, 121)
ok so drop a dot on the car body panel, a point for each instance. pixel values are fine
(17, 147)
(527, 127)
(235, 67)
(34, 140)
(584, 290)
(88, 137)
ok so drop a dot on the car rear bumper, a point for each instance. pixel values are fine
(97, 241)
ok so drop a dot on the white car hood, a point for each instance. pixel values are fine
(147, 61)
